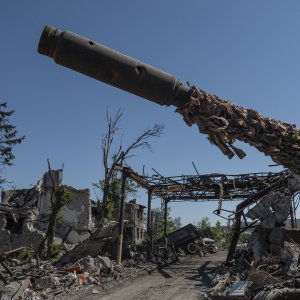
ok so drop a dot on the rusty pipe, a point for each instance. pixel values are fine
(104, 64)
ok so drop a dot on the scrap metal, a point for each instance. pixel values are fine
(276, 183)
(203, 187)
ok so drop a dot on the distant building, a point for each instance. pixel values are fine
(134, 215)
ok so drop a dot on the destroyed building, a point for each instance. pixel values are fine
(24, 215)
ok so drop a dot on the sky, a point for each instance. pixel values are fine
(243, 51)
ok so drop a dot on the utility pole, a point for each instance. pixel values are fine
(121, 218)
(165, 221)
(151, 231)
(149, 225)
(149, 211)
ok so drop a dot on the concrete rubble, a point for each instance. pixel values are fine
(97, 273)
(86, 248)
(86, 267)
(268, 267)
(275, 277)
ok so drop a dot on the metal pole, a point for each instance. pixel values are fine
(121, 219)
(149, 212)
(165, 221)
(151, 232)
(295, 212)
(292, 214)
(149, 221)
(235, 237)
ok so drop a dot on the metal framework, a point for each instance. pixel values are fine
(209, 187)
(277, 183)
(248, 187)
(206, 187)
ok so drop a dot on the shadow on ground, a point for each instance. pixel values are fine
(207, 272)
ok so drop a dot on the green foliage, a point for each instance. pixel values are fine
(56, 250)
(219, 233)
(244, 238)
(204, 223)
(110, 209)
(63, 196)
(8, 137)
(24, 255)
(158, 223)
(176, 223)
(114, 193)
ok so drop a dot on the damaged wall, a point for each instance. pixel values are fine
(24, 214)
(19, 231)
(272, 211)
(76, 217)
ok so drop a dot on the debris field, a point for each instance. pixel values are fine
(91, 252)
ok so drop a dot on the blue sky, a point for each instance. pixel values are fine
(245, 51)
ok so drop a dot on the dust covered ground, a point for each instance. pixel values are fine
(185, 280)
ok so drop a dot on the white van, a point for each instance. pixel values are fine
(210, 245)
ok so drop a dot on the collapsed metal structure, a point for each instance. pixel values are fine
(249, 187)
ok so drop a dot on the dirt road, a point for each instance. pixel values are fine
(179, 281)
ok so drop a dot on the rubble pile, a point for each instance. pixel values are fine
(268, 267)
(95, 274)
(273, 276)
(225, 122)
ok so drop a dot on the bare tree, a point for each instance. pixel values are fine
(110, 160)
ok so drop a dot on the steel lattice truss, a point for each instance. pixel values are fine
(210, 186)
(207, 187)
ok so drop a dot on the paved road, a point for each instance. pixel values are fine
(178, 281)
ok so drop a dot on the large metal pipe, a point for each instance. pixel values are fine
(97, 61)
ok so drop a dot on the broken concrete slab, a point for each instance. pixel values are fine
(93, 245)
(277, 236)
(47, 282)
(26, 236)
(278, 294)
(106, 262)
(24, 285)
(269, 222)
(10, 290)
